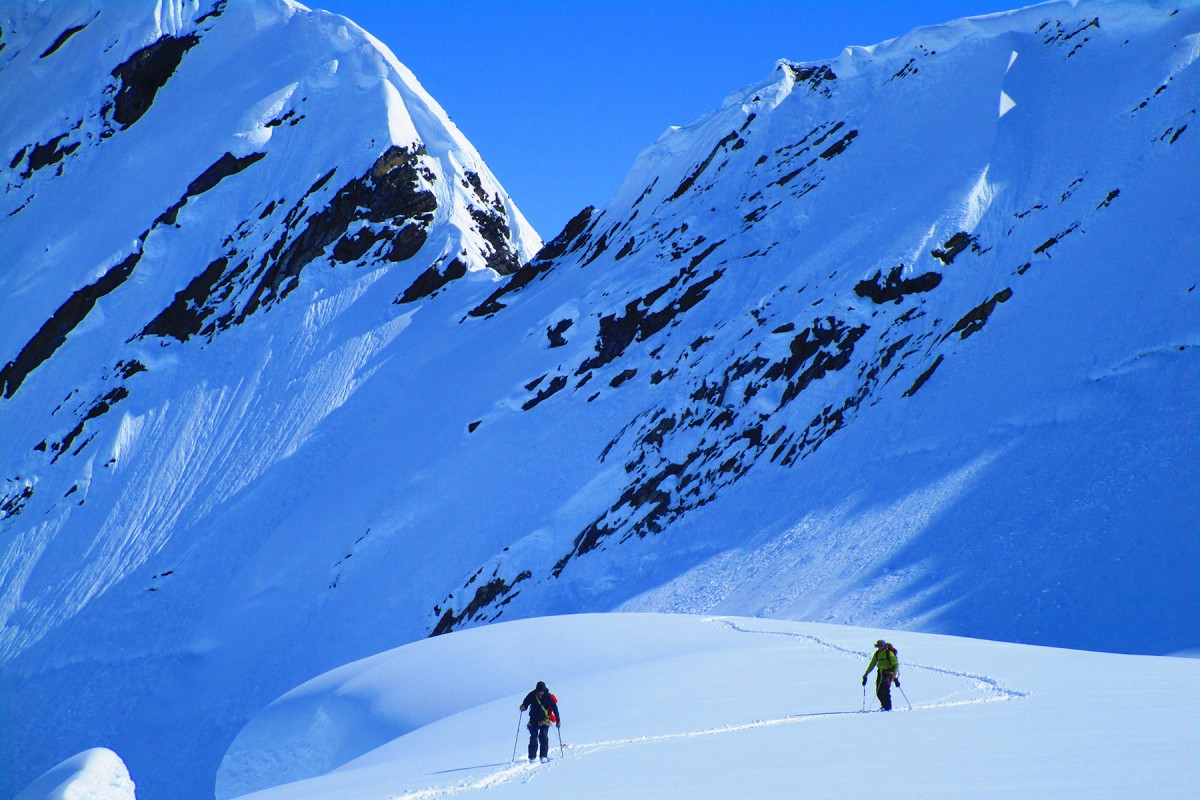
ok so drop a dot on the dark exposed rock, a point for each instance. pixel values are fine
(388, 204)
(894, 287)
(976, 317)
(815, 78)
(755, 215)
(646, 496)
(127, 369)
(825, 346)
(623, 377)
(64, 36)
(784, 180)
(1045, 246)
(662, 488)
(923, 377)
(519, 280)
(705, 254)
(144, 73)
(52, 152)
(1061, 36)
(486, 595)
(890, 352)
(570, 239)
(598, 247)
(53, 334)
(555, 334)
(185, 316)
(691, 179)
(390, 191)
(556, 385)
(431, 280)
(637, 323)
(839, 146)
(228, 164)
(409, 239)
(99, 408)
(1070, 190)
(908, 69)
(354, 246)
(217, 10)
(14, 499)
(474, 182)
(1108, 200)
(953, 247)
(493, 227)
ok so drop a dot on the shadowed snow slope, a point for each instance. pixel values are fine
(716, 707)
(906, 340)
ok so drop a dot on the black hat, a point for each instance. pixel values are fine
(880, 643)
(540, 687)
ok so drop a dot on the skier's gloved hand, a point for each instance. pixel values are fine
(897, 680)
(864, 680)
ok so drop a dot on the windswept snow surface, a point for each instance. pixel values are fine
(661, 706)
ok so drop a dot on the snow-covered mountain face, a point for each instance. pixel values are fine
(217, 218)
(906, 339)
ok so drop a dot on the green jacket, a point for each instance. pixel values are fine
(885, 659)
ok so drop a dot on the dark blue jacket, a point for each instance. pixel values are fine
(540, 708)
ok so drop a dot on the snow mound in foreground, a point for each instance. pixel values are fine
(96, 774)
(659, 705)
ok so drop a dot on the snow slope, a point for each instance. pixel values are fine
(716, 707)
(870, 344)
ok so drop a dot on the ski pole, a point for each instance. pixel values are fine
(517, 738)
(864, 707)
(902, 694)
(558, 730)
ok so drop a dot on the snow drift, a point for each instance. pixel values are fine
(718, 707)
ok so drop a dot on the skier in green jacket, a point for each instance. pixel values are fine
(889, 671)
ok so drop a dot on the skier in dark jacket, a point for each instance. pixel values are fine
(889, 671)
(543, 710)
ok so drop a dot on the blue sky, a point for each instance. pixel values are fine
(560, 97)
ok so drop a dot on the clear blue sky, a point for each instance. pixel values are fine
(560, 96)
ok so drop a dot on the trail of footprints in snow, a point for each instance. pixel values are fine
(993, 687)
